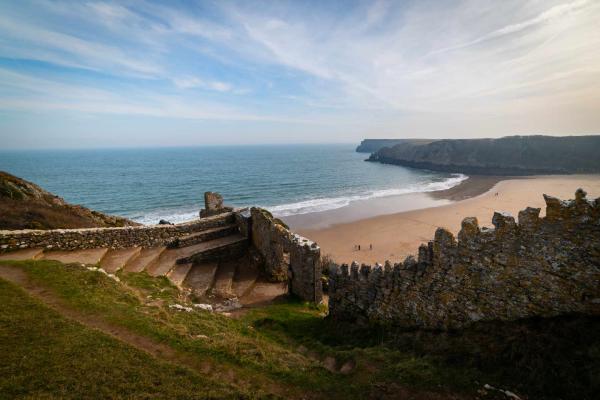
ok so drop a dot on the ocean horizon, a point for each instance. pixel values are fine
(150, 184)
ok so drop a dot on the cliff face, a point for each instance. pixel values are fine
(372, 145)
(24, 205)
(513, 155)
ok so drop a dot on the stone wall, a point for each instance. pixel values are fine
(538, 267)
(287, 256)
(116, 238)
(213, 205)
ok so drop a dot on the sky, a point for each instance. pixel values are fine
(178, 73)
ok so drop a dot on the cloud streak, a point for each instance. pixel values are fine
(486, 68)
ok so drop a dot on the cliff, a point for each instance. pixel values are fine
(24, 205)
(513, 155)
(538, 267)
(372, 145)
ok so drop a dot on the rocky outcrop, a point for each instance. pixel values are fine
(514, 155)
(213, 205)
(372, 145)
(538, 267)
(24, 205)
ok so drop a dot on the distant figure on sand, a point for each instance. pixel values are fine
(496, 194)
(359, 247)
(370, 247)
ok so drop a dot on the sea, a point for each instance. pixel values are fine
(149, 184)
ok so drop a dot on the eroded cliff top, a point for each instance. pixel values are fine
(25, 205)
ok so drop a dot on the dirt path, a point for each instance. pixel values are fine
(166, 353)
(158, 350)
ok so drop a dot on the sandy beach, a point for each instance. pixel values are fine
(396, 235)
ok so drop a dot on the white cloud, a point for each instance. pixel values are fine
(412, 66)
(407, 64)
(35, 93)
(193, 82)
(546, 16)
(92, 55)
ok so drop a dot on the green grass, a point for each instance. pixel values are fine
(47, 356)
(273, 349)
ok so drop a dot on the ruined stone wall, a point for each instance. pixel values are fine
(287, 256)
(539, 267)
(118, 237)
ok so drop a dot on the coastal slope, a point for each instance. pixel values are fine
(24, 205)
(512, 155)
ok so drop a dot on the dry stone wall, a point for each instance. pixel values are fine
(538, 267)
(287, 256)
(116, 238)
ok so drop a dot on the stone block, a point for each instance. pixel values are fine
(469, 229)
(529, 218)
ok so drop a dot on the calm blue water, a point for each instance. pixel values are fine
(149, 184)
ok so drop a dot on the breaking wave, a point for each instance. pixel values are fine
(331, 203)
(307, 206)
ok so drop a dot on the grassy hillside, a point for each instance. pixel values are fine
(280, 350)
(24, 205)
(285, 350)
(45, 355)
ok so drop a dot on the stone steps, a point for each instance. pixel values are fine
(87, 256)
(178, 274)
(205, 235)
(184, 255)
(200, 277)
(245, 277)
(223, 283)
(168, 260)
(229, 247)
(21, 255)
(144, 260)
(263, 292)
(115, 260)
(231, 278)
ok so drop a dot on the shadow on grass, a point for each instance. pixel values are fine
(544, 358)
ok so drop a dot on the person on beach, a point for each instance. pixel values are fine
(359, 247)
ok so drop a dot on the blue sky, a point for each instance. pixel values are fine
(148, 73)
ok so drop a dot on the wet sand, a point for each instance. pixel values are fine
(397, 234)
(363, 209)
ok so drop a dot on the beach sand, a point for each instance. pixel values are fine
(394, 236)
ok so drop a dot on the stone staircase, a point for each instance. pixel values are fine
(212, 264)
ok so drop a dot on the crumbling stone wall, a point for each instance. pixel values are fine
(287, 256)
(116, 238)
(538, 267)
(213, 205)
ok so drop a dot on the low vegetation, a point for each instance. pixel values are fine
(45, 355)
(24, 205)
(285, 350)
